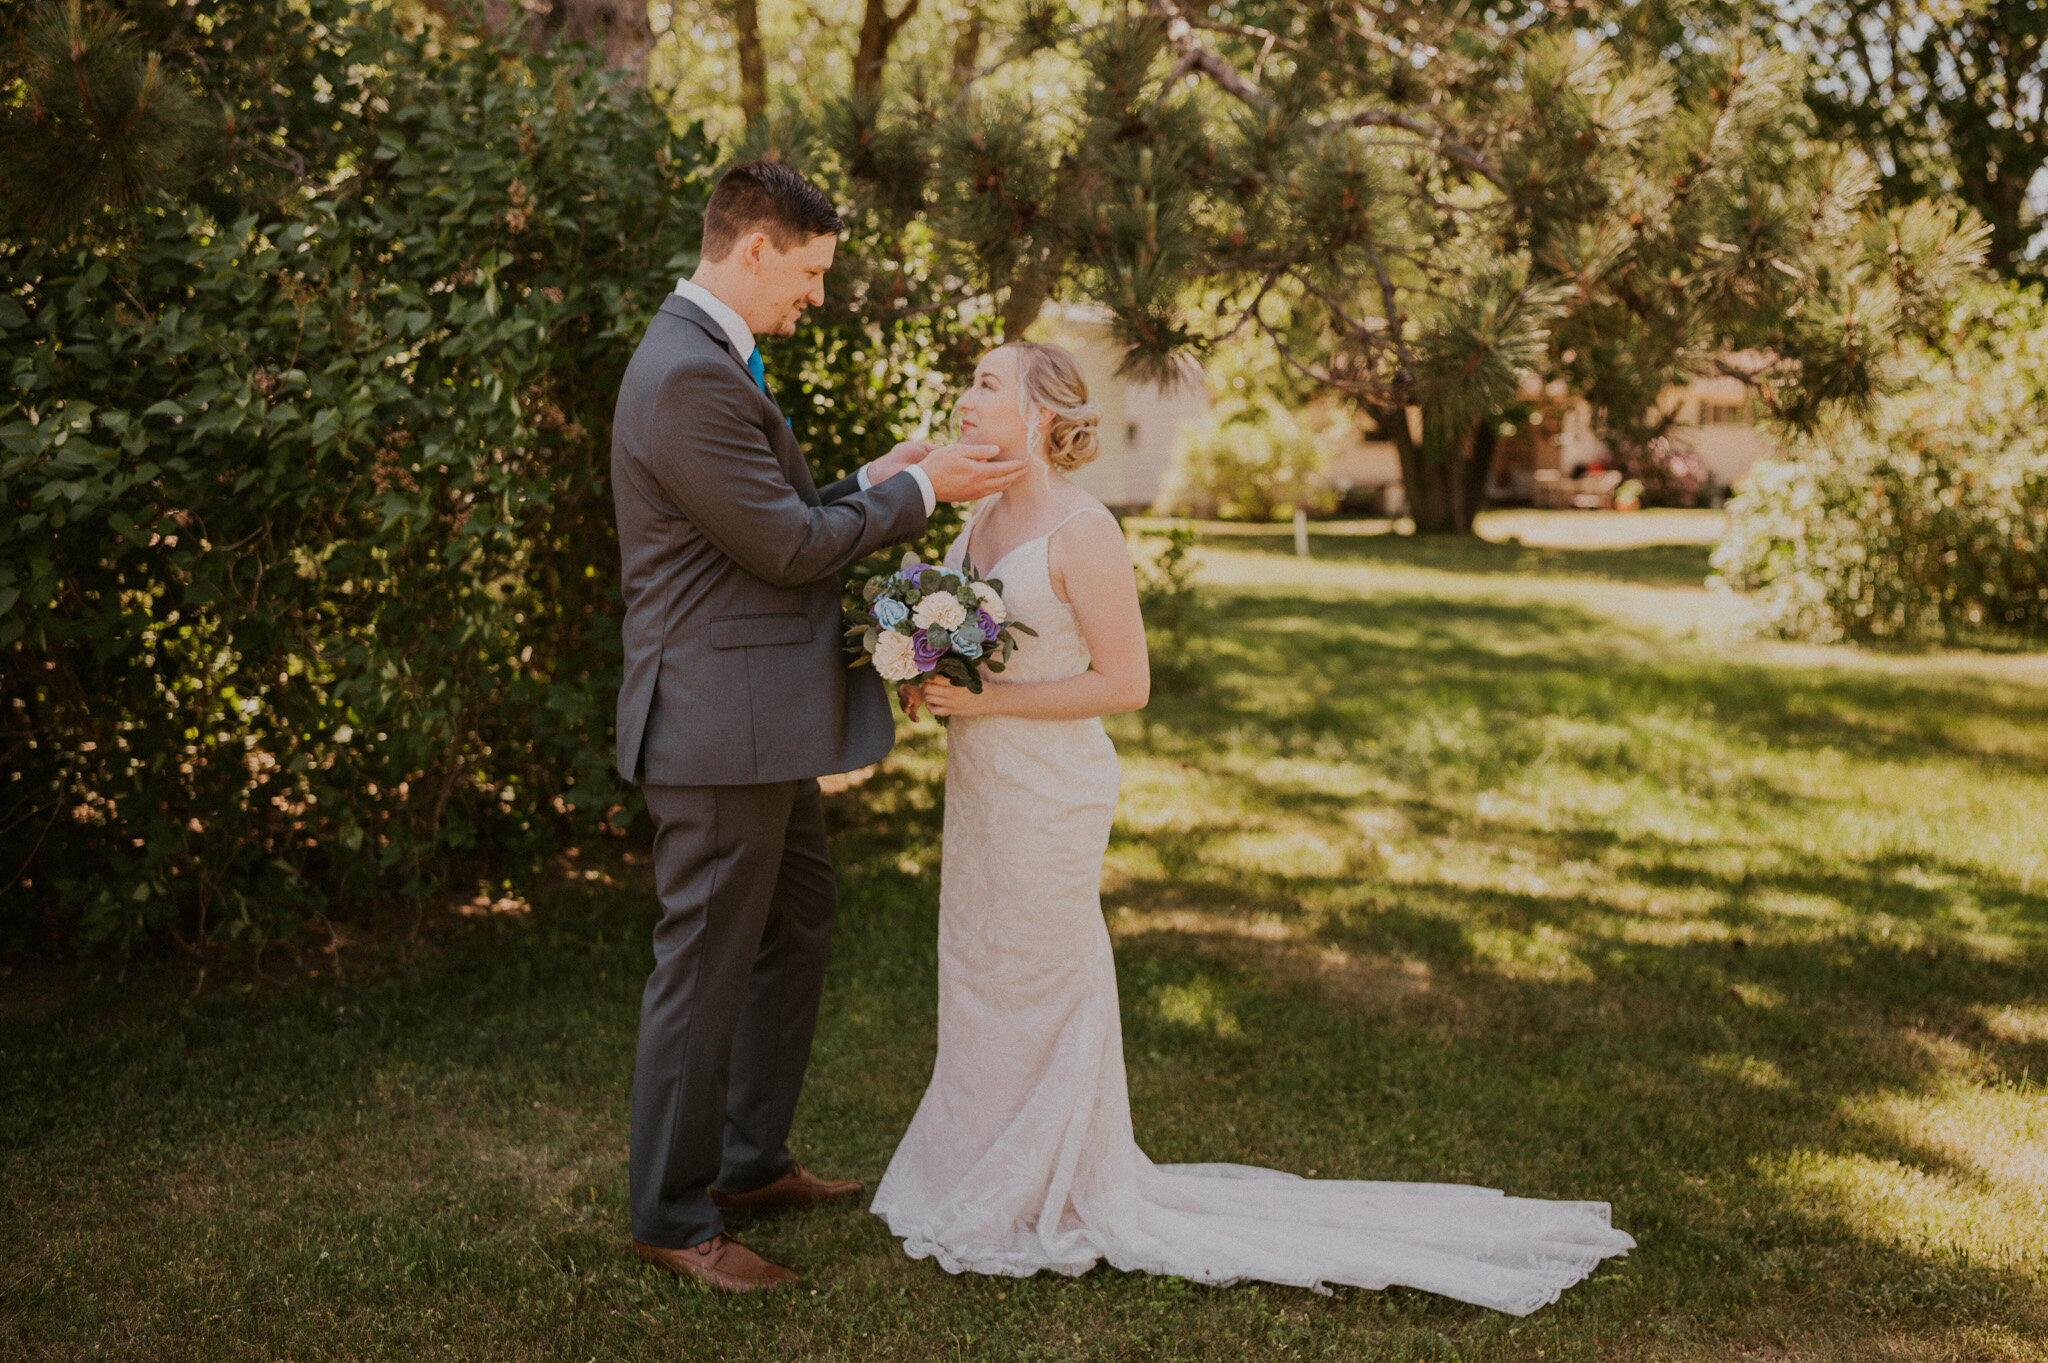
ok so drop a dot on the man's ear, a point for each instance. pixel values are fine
(753, 246)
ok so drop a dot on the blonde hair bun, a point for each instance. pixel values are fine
(1049, 377)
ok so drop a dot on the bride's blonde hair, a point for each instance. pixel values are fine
(1048, 377)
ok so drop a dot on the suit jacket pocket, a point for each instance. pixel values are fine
(757, 631)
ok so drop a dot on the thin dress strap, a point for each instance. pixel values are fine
(1082, 512)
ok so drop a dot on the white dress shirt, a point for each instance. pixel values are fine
(742, 337)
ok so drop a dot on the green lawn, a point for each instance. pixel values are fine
(1483, 863)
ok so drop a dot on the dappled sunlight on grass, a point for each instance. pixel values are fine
(1959, 1172)
(1201, 1004)
(1432, 863)
(1437, 802)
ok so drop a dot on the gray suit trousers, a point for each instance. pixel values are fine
(745, 883)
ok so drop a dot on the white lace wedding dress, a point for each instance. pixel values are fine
(1021, 1156)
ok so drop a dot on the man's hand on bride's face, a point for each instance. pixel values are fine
(944, 698)
(967, 473)
(900, 457)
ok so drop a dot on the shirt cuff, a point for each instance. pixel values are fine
(924, 485)
(918, 475)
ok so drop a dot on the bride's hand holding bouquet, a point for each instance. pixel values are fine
(925, 626)
(945, 700)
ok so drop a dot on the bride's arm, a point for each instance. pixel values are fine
(1103, 588)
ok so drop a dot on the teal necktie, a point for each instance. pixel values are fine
(760, 374)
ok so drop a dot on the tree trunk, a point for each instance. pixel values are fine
(619, 26)
(878, 29)
(1998, 189)
(1028, 294)
(746, 26)
(967, 48)
(1444, 478)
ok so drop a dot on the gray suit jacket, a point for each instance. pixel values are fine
(735, 669)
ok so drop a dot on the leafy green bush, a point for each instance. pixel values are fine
(1248, 459)
(308, 586)
(1172, 606)
(1928, 523)
(307, 558)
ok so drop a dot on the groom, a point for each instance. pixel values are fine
(736, 698)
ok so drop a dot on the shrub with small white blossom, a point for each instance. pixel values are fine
(1927, 523)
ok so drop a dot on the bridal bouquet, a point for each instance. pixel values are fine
(925, 620)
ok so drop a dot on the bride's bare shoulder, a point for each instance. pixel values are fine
(1090, 532)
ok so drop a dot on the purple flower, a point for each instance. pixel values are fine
(923, 654)
(989, 628)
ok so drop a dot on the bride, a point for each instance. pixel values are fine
(1021, 1156)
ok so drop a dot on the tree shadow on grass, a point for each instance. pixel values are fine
(1595, 1041)
(1374, 668)
(1653, 564)
(1717, 1124)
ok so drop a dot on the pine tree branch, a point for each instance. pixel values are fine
(1436, 138)
(1386, 43)
(176, 31)
(960, 100)
(1182, 68)
(1195, 55)
(1180, 34)
(1397, 335)
(1249, 313)
(1268, 40)
(1316, 373)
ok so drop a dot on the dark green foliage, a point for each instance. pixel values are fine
(307, 571)
(307, 583)
(1173, 608)
(101, 125)
(308, 588)
(250, 104)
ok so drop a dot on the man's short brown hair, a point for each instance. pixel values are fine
(766, 196)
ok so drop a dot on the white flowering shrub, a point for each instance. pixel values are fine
(1929, 522)
(1247, 460)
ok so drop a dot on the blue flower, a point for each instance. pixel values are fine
(967, 641)
(889, 612)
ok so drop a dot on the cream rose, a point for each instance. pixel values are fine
(892, 657)
(941, 611)
(992, 602)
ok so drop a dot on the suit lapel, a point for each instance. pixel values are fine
(780, 438)
(675, 305)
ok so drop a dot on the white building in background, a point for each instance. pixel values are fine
(1712, 417)
(1716, 421)
(1140, 421)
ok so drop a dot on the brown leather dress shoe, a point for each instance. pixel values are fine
(797, 1188)
(722, 1262)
